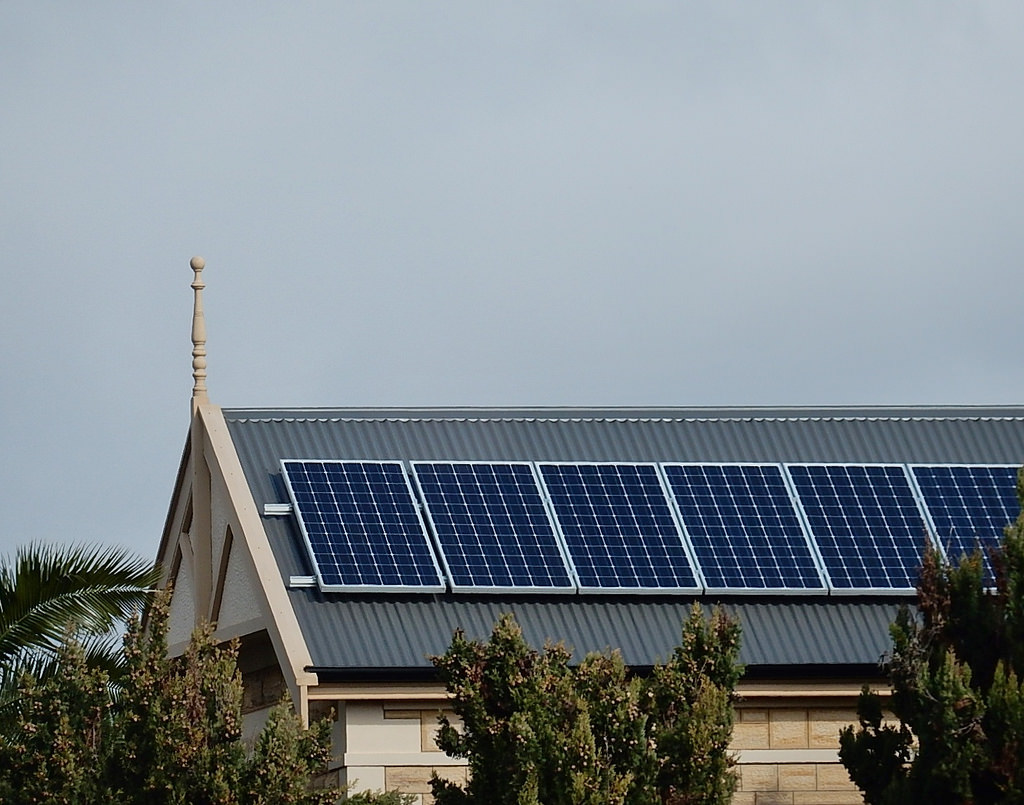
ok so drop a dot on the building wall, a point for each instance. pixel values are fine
(788, 755)
(263, 684)
(181, 619)
(787, 750)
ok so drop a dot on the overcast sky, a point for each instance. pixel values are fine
(409, 203)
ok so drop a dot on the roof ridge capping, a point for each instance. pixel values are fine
(627, 414)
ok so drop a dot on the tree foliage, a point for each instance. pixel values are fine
(692, 697)
(53, 737)
(535, 729)
(380, 798)
(173, 736)
(957, 697)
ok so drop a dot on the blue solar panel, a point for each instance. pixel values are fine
(362, 526)
(969, 505)
(744, 528)
(618, 527)
(865, 520)
(492, 526)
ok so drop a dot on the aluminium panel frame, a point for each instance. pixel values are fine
(439, 587)
(845, 590)
(697, 589)
(937, 539)
(823, 587)
(556, 535)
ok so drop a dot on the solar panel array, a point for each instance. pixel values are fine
(639, 528)
(866, 523)
(493, 529)
(745, 531)
(969, 506)
(362, 526)
(618, 527)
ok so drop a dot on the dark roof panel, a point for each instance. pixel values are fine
(399, 632)
(391, 633)
(918, 435)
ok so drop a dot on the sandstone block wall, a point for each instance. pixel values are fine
(787, 754)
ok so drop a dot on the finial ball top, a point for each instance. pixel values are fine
(198, 264)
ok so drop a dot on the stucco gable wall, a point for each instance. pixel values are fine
(181, 619)
(240, 599)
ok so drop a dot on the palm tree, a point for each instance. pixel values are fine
(50, 592)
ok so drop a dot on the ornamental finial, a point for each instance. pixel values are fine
(198, 335)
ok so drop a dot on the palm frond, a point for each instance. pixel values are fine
(48, 587)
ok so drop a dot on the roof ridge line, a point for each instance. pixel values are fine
(851, 418)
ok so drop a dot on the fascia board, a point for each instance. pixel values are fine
(283, 625)
(175, 512)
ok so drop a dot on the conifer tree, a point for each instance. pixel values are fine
(53, 741)
(691, 718)
(537, 730)
(957, 697)
(171, 737)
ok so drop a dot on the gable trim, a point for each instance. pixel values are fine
(222, 572)
(282, 625)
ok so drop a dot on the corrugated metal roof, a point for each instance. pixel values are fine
(388, 632)
(396, 632)
(993, 435)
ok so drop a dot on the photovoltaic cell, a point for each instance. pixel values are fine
(969, 506)
(362, 526)
(866, 523)
(618, 527)
(492, 526)
(745, 531)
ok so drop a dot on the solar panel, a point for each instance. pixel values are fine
(618, 527)
(969, 505)
(866, 523)
(362, 526)
(492, 527)
(744, 528)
